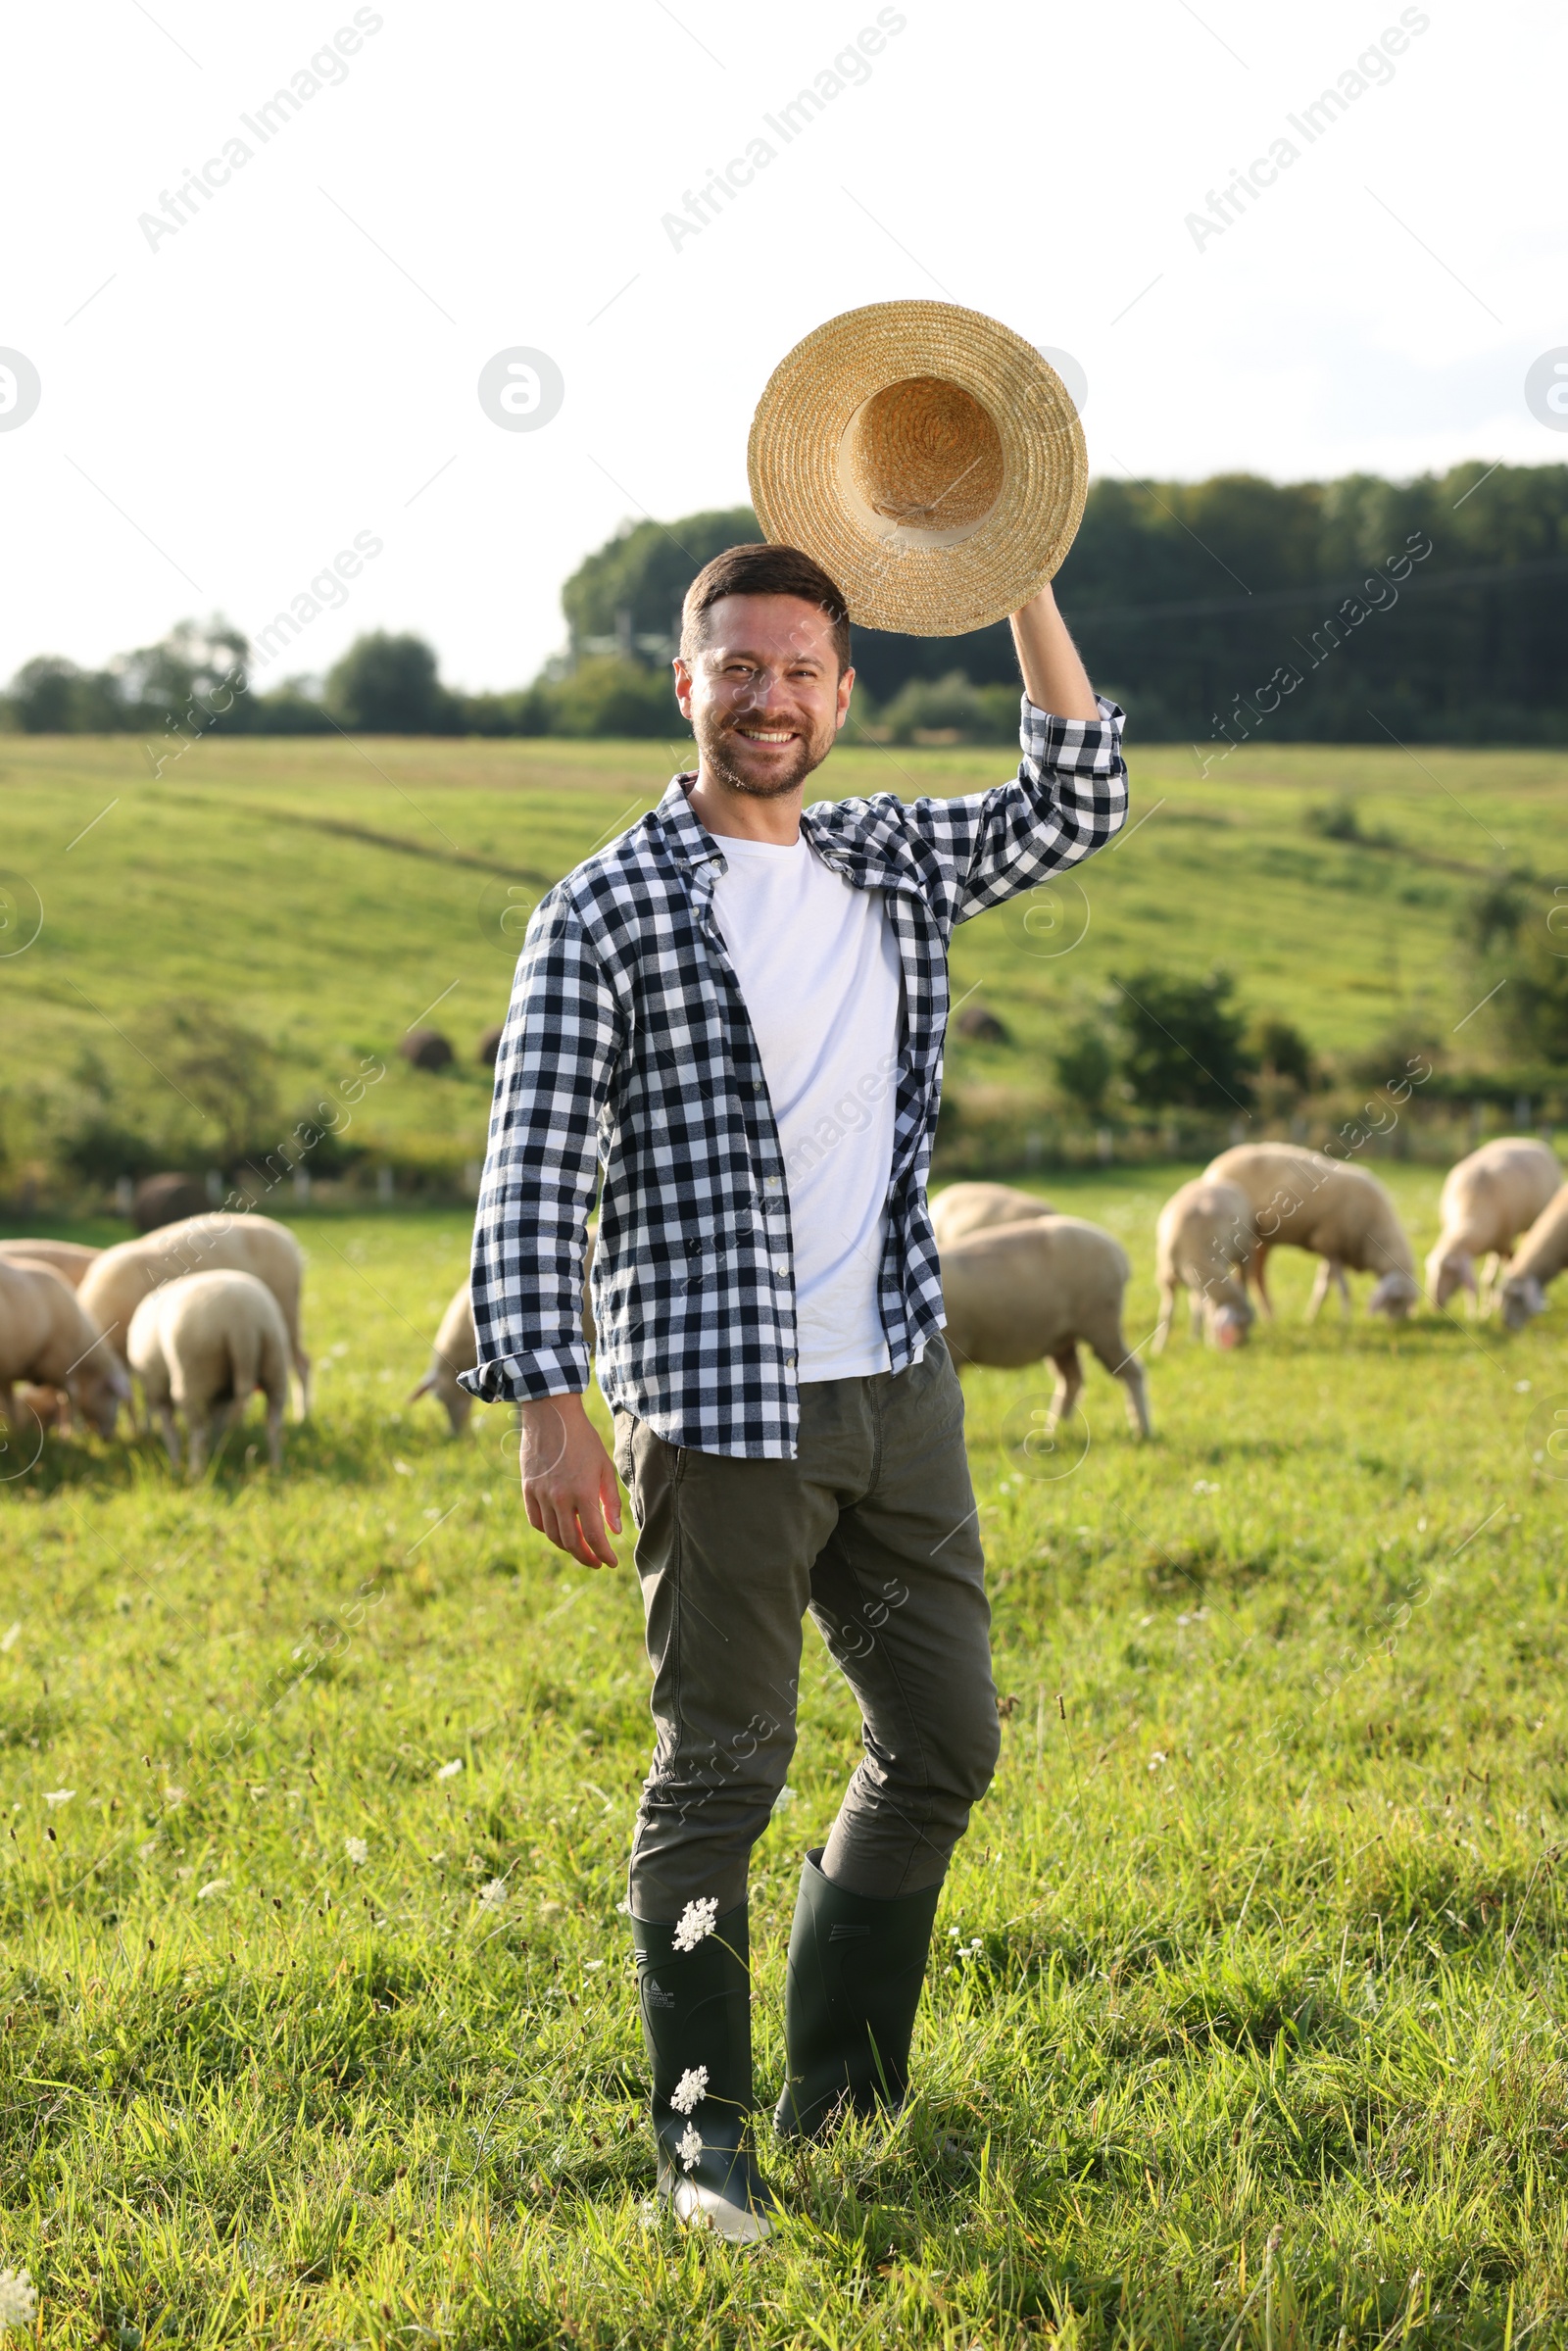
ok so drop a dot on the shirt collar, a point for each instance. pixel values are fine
(690, 844)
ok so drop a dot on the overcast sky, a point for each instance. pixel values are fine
(232, 388)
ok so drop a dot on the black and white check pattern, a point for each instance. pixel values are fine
(628, 1050)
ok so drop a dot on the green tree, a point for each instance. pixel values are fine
(1282, 1053)
(1182, 1042)
(626, 596)
(387, 685)
(1084, 1071)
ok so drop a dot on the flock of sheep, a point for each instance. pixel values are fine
(206, 1312)
(1023, 1284)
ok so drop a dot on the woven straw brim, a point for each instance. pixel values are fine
(927, 458)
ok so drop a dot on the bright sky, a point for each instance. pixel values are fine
(226, 404)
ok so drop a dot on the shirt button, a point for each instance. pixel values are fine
(781, 1267)
(789, 1362)
(771, 1183)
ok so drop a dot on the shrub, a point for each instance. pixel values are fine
(1182, 1042)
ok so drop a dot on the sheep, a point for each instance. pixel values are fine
(114, 1287)
(1488, 1201)
(202, 1344)
(69, 1259)
(964, 1209)
(1543, 1252)
(456, 1349)
(1205, 1237)
(47, 1340)
(1304, 1199)
(1016, 1293)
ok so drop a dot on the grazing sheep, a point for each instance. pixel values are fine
(1302, 1199)
(123, 1275)
(1016, 1293)
(1204, 1238)
(48, 1341)
(1542, 1253)
(1488, 1201)
(165, 1200)
(69, 1259)
(202, 1344)
(964, 1209)
(456, 1349)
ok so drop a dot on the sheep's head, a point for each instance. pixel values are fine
(1522, 1297)
(98, 1391)
(1445, 1275)
(1230, 1320)
(1394, 1295)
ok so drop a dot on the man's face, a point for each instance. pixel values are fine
(763, 694)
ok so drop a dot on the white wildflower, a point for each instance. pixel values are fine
(690, 2146)
(492, 1896)
(1158, 1760)
(144, 1850)
(214, 1886)
(173, 1795)
(357, 1850)
(690, 2090)
(18, 2299)
(697, 1920)
(449, 1771)
(1205, 1485)
(58, 1795)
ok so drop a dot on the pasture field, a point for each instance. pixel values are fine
(331, 894)
(1247, 2025)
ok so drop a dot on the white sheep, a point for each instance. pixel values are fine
(964, 1209)
(1016, 1293)
(1205, 1236)
(1542, 1253)
(237, 1242)
(456, 1349)
(1488, 1201)
(202, 1344)
(1302, 1199)
(69, 1259)
(48, 1341)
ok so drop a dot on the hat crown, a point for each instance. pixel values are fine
(924, 453)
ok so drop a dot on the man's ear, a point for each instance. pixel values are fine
(846, 689)
(683, 687)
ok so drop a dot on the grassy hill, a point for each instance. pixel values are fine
(331, 894)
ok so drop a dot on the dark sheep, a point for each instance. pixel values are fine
(427, 1048)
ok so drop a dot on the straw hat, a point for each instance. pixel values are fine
(927, 458)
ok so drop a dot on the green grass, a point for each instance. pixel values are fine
(329, 893)
(1246, 2026)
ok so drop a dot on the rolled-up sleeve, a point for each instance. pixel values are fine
(553, 1074)
(1068, 799)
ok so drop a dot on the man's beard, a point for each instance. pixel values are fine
(714, 749)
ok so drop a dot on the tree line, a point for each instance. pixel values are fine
(1220, 611)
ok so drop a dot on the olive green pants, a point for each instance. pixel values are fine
(873, 1530)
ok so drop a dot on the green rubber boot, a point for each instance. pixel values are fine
(697, 2029)
(855, 1970)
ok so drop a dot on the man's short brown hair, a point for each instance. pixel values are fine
(763, 570)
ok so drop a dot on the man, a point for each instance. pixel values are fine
(731, 1022)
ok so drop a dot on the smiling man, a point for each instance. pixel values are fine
(729, 1023)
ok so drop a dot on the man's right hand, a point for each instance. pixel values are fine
(568, 1479)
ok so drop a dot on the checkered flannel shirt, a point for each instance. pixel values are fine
(628, 1065)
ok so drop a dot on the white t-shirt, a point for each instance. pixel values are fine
(819, 966)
